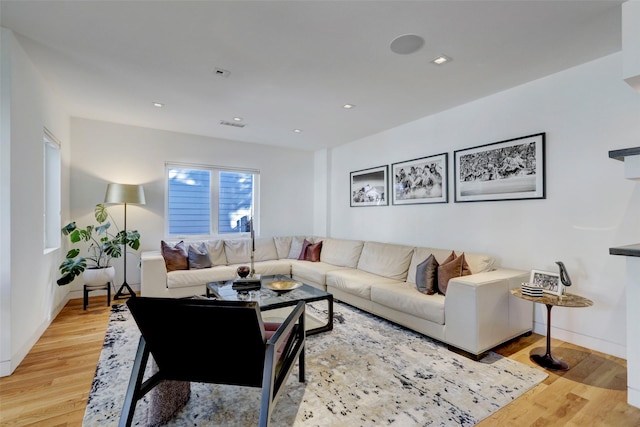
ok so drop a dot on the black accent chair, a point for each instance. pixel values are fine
(210, 341)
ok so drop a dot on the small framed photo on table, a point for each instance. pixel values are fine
(550, 282)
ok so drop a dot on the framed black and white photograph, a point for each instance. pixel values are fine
(369, 187)
(507, 170)
(422, 180)
(550, 282)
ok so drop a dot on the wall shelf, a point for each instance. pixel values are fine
(625, 152)
(629, 250)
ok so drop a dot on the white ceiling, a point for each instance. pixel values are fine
(293, 64)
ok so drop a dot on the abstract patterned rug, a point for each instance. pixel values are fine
(365, 372)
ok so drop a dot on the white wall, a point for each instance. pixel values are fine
(29, 295)
(106, 152)
(585, 111)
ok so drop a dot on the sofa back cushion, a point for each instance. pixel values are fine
(238, 251)
(341, 252)
(283, 246)
(478, 263)
(216, 252)
(385, 259)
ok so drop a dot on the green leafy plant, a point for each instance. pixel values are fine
(102, 245)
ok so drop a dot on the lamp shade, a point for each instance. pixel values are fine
(125, 193)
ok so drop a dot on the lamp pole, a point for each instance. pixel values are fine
(121, 294)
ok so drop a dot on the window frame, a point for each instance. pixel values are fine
(52, 192)
(214, 232)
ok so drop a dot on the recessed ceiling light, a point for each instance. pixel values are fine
(237, 119)
(297, 130)
(406, 44)
(158, 104)
(439, 60)
(348, 106)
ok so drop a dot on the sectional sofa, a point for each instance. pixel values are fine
(476, 313)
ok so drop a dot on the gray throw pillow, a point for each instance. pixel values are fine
(426, 276)
(198, 257)
(296, 247)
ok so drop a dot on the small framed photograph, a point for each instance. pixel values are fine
(422, 180)
(550, 282)
(507, 170)
(369, 187)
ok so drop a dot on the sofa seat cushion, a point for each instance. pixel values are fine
(315, 272)
(187, 278)
(385, 259)
(356, 282)
(405, 298)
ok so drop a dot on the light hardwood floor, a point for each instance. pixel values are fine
(51, 386)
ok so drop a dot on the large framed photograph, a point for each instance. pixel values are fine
(550, 282)
(422, 180)
(369, 187)
(507, 170)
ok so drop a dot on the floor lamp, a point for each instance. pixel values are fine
(125, 194)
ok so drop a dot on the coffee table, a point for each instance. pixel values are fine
(278, 303)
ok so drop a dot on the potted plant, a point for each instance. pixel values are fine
(102, 247)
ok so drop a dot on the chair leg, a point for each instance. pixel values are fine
(108, 294)
(85, 298)
(135, 383)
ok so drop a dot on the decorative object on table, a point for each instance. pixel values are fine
(282, 285)
(531, 290)
(507, 170)
(436, 386)
(369, 187)
(102, 247)
(422, 180)
(550, 282)
(125, 194)
(243, 271)
(564, 274)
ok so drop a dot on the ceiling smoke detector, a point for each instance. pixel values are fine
(219, 72)
(234, 124)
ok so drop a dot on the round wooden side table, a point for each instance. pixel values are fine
(546, 360)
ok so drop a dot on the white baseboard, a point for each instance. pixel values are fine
(592, 343)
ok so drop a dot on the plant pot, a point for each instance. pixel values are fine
(98, 276)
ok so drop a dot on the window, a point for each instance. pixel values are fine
(209, 200)
(52, 187)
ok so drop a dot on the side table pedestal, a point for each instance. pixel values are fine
(546, 360)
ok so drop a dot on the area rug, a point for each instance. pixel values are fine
(365, 372)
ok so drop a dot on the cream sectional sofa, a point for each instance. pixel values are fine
(477, 313)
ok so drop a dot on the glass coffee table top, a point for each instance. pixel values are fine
(277, 292)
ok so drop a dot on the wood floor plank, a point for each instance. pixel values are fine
(51, 386)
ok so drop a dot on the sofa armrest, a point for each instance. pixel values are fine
(481, 313)
(153, 274)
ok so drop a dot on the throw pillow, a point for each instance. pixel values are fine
(175, 256)
(303, 251)
(313, 252)
(296, 247)
(454, 268)
(198, 257)
(427, 275)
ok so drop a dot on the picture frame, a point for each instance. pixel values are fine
(550, 282)
(513, 169)
(422, 180)
(369, 187)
